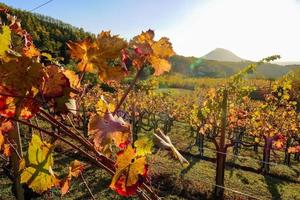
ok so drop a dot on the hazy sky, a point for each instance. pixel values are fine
(250, 28)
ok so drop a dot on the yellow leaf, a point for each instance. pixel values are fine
(4, 41)
(160, 65)
(144, 146)
(39, 175)
(129, 168)
(102, 107)
(22, 164)
(38, 180)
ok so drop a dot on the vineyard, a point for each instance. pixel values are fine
(102, 129)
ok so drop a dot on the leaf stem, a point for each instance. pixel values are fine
(129, 89)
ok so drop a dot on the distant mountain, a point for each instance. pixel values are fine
(220, 54)
(199, 67)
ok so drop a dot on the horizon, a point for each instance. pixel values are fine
(251, 29)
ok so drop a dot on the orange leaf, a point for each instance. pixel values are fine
(22, 164)
(1, 140)
(29, 108)
(160, 65)
(19, 76)
(7, 150)
(76, 168)
(7, 106)
(54, 82)
(73, 78)
(96, 56)
(31, 51)
(65, 185)
(6, 126)
(115, 73)
(83, 51)
(154, 52)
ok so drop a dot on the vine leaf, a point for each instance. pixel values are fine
(5, 127)
(107, 129)
(1, 140)
(31, 51)
(129, 172)
(5, 40)
(7, 150)
(99, 56)
(38, 174)
(21, 75)
(102, 107)
(83, 51)
(54, 82)
(144, 146)
(29, 108)
(154, 52)
(7, 106)
(75, 169)
(295, 149)
(73, 78)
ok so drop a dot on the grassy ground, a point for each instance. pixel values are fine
(285, 185)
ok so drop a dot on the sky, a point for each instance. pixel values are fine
(252, 29)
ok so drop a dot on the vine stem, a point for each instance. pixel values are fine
(105, 163)
(15, 136)
(129, 89)
(53, 134)
(86, 143)
(14, 148)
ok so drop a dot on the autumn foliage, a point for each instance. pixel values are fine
(35, 84)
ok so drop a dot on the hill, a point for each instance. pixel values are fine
(220, 54)
(49, 34)
(200, 67)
